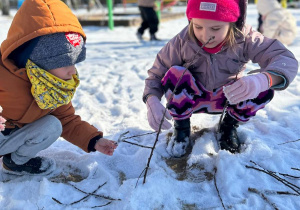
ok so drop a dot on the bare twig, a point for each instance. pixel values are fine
(276, 177)
(282, 174)
(297, 169)
(274, 192)
(121, 139)
(121, 136)
(288, 142)
(57, 201)
(139, 145)
(222, 115)
(273, 174)
(290, 176)
(152, 150)
(139, 177)
(225, 107)
(88, 194)
(102, 205)
(215, 182)
(138, 135)
(96, 195)
(263, 197)
(169, 100)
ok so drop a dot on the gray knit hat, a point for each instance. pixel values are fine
(58, 50)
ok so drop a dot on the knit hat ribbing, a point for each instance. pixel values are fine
(52, 51)
(58, 50)
(219, 10)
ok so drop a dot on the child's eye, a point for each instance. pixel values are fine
(215, 29)
(198, 27)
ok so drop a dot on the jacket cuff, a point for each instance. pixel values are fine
(281, 85)
(93, 141)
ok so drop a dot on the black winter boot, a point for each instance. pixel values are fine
(139, 36)
(35, 166)
(180, 138)
(153, 38)
(182, 129)
(229, 139)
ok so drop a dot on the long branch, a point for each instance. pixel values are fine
(276, 177)
(274, 173)
(289, 142)
(169, 100)
(275, 192)
(89, 194)
(215, 182)
(139, 145)
(102, 205)
(96, 195)
(138, 135)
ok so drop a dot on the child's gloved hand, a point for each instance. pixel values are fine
(2, 121)
(106, 146)
(245, 88)
(155, 114)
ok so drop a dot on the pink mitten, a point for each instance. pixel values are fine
(2, 121)
(155, 114)
(245, 88)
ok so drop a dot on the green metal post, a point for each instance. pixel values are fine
(158, 12)
(110, 14)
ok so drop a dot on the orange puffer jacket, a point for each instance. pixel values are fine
(36, 18)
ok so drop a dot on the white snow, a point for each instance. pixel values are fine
(110, 98)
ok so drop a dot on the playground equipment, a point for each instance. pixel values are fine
(110, 14)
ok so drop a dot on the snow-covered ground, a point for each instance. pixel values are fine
(110, 98)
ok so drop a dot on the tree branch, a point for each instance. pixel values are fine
(273, 174)
(215, 182)
(139, 145)
(96, 195)
(288, 142)
(88, 194)
(168, 101)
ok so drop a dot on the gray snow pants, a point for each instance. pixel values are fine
(26, 142)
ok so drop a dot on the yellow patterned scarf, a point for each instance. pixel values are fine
(49, 91)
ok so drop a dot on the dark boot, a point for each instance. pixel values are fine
(229, 139)
(35, 166)
(182, 129)
(153, 38)
(139, 36)
(180, 137)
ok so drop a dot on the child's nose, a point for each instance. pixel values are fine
(206, 36)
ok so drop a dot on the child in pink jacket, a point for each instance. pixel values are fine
(212, 52)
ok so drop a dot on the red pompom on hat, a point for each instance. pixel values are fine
(219, 10)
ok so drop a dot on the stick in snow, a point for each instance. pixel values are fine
(169, 100)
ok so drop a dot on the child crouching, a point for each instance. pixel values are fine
(213, 51)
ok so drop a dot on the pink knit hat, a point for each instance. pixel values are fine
(220, 10)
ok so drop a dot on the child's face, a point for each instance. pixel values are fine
(64, 73)
(205, 29)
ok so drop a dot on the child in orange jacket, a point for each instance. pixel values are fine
(38, 80)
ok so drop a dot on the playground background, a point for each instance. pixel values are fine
(110, 98)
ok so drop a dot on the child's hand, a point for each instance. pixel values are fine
(248, 87)
(155, 114)
(106, 146)
(2, 121)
